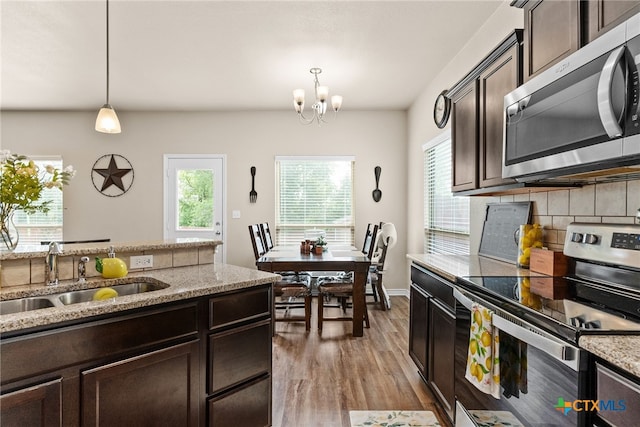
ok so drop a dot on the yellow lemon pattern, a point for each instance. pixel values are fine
(483, 363)
(530, 237)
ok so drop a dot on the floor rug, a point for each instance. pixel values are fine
(393, 419)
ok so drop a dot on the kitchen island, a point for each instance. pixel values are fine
(193, 350)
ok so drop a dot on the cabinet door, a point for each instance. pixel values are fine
(464, 137)
(496, 81)
(39, 405)
(418, 329)
(154, 389)
(442, 331)
(603, 15)
(551, 32)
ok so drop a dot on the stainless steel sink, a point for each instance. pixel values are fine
(19, 305)
(24, 304)
(86, 295)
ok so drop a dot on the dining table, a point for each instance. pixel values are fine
(332, 259)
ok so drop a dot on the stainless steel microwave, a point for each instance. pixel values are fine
(580, 116)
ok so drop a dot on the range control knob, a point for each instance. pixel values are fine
(591, 239)
(576, 237)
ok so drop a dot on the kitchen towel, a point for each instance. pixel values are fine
(483, 360)
(513, 366)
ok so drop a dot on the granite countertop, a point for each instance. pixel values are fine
(453, 266)
(621, 351)
(92, 248)
(184, 283)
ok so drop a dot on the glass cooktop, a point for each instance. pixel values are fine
(565, 305)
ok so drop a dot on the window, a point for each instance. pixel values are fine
(39, 227)
(314, 193)
(446, 218)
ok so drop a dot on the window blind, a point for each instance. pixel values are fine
(39, 227)
(446, 218)
(314, 195)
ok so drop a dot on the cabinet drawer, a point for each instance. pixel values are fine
(434, 285)
(31, 355)
(239, 354)
(225, 310)
(618, 397)
(248, 406)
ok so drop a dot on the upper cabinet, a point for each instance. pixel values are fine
(551, 33)
(555, 29)
(477, 117)
(603, 15)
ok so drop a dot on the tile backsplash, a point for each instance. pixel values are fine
(613, 202)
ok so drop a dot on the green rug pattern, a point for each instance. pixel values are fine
(393, 419)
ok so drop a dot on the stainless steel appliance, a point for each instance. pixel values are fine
(579, 116)
(544, 318)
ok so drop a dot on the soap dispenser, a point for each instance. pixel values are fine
(111, 267)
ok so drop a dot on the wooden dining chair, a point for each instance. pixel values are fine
(340, 287)
(288, 291)
(266, 235)
(387, 238)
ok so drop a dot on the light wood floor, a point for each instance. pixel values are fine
(318, 379)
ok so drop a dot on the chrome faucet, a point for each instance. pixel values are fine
(51, 264)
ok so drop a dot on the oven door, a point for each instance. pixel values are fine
(549, 372)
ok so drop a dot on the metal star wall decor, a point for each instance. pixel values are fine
(112, 175)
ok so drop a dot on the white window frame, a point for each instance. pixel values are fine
(440, 237)
(24, 227)
(280, 228)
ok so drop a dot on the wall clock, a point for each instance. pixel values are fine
(112, 175)
(441, 110)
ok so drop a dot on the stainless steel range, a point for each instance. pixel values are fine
(545, 318)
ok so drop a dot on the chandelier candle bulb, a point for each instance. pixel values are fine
(323, 93)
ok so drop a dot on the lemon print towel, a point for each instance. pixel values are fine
(483, 362)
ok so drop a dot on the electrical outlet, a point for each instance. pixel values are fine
(141, 261)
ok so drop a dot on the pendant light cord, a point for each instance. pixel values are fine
(107, 51)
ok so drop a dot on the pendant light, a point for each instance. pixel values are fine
(107, 120)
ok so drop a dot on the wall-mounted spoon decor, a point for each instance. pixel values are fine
(253, 195)
(377, 194)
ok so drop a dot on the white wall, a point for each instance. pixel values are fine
(421, 127)
(246, 138)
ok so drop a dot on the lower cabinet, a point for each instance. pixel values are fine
(38, 405)
(153, 389)
(432, 333)
(174, 364)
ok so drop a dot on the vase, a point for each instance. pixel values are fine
(9, 233)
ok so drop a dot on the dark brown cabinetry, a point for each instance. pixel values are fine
(152, 389)
(464, 137)
(552, 32)
(432, 333)
(477, 115)
(36, 406)
(185, 363)
(603, 15)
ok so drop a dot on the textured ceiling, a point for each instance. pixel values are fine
(226, 55)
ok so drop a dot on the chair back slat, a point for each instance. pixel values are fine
(266, 236)
(256, 241)
(370, 239)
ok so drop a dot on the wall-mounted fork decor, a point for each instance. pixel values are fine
(253, 195)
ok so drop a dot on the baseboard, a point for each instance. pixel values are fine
(398, 292)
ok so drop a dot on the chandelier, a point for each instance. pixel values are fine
(319, 107)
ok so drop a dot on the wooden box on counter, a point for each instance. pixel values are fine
(548, 262)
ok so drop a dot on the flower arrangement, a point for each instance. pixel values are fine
(21, 186)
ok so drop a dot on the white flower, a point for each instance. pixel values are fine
(50, 169)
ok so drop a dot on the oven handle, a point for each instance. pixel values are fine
(529, 334)
(605, 109)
